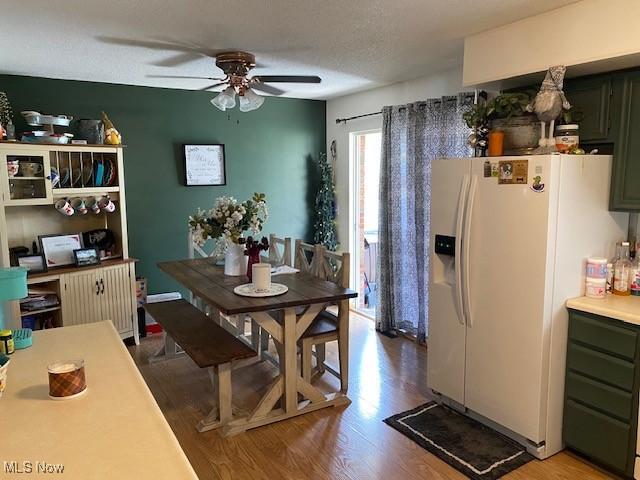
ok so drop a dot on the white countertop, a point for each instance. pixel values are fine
(114, 430)
(626, 309)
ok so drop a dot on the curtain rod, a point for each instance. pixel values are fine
(476, 93)
(345, 120)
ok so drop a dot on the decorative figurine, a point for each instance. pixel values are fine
(548, 105)
(111, 135)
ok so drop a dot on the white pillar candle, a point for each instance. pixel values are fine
(261, 276)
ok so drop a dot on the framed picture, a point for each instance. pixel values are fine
(33, 263)
(58, 249)
(204, 165)
(85, 257)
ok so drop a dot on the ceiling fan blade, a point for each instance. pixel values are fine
(267, 88)
(184, 76)
(288, 78)
(179, 59)
(213, 86)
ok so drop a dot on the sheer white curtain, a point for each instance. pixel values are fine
(412, 136)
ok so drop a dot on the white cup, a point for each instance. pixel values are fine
(64, 207)
(107, 205)
(261, 276)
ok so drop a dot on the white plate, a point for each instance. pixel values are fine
(248, 290)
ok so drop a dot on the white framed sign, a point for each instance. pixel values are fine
(58, 249)
(204, 165)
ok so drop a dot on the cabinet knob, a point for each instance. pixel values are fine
(97, 288)
(102, 285)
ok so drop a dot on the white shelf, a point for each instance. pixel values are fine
(80, 191)
(25, 313)
(26, 178)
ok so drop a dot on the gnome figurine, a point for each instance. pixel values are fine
(548, 104)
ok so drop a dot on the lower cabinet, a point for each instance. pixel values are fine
(601, 390)
(106, 293)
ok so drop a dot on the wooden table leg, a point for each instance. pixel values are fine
(290, 363)
(343, 344)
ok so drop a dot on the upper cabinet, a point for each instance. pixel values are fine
(26, 180)
(625, 178)
(593, 96)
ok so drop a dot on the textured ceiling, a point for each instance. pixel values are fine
(352, 44)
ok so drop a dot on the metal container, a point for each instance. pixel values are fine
(91, 130)
(521, 134)
(36, 118)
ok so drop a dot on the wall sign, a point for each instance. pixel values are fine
(204, 165)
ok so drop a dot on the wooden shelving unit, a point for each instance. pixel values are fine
(90, 294)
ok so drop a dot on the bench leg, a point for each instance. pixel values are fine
(321, 355)
(169, 350)
(255, 336)
(222, 412)
(264, 343)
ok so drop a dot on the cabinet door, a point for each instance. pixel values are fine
(593, 96)
(625, 187)
(81, 299)
(26, 177)
(117, 296)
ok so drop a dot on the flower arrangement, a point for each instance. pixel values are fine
(229, 219)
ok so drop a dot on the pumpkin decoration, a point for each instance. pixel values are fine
(111, 135)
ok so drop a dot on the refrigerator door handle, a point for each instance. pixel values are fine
(458, 260)
(466, 246)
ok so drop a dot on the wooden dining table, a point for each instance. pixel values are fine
(306, 294)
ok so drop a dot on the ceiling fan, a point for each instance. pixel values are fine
(236, 66)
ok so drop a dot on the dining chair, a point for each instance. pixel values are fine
(327, 327)
(279, 251)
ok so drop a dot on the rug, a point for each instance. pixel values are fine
(470, 447)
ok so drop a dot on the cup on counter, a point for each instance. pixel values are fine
(66, 379)
(4, 366)
(79, 206)
(64, 207)
(13, 166)
(106, 204)
(31, 169)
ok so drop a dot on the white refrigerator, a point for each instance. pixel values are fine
(509, 241)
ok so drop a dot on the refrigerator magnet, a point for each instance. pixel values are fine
(513, 172)
(537, 185)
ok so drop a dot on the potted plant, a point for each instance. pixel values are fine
(227, 222)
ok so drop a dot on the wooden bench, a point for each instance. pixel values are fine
(210, 346)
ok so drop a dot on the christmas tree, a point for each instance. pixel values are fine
(325, 226)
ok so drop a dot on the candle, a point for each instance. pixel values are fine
(261, 276)
(66, 379)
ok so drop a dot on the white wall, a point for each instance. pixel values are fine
(445, 83)
(587, 36)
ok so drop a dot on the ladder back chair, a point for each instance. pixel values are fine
(279, 251)
(327, 327)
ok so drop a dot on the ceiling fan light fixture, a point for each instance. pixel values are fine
(250, 101)
(225, 99)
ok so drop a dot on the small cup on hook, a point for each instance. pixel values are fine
(64, 207)
(95, 206)
(79, 206)
(106, 204)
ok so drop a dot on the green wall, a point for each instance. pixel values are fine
(271, 150)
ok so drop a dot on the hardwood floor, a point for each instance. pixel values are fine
(387, 376)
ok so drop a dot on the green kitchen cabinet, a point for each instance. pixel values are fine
(625, 177)
(593, 96)
(601, 390)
